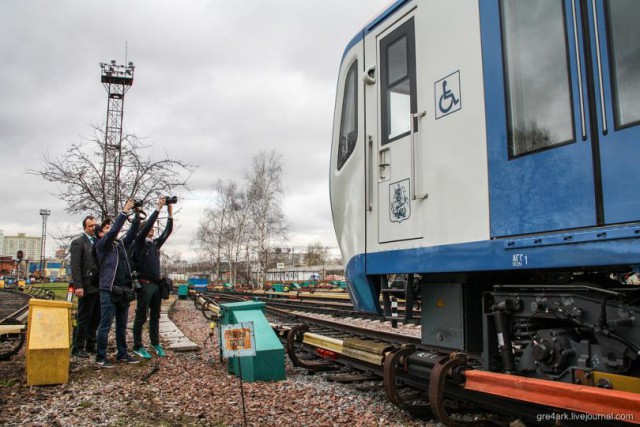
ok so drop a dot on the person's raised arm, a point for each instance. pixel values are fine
(105, 244)
(149, 223)
(168, 229)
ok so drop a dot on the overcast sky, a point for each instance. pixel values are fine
(215, 83)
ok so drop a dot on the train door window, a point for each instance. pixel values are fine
(538, 86)
(349, 118)
(397, 56)
(624, 60)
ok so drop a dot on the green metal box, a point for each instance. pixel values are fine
(183, 291)
(268, 363)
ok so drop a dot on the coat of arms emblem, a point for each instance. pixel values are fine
(399, 203)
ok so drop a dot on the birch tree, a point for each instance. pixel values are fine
(265, 194)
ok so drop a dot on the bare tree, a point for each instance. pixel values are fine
(217, 232)
(86, 186)
(264, 200)
(248, 222)
(170, 261)
(63, 235)
(237, 231)
(316, 254)
(207, 239)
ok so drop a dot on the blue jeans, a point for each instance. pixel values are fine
(109, 311)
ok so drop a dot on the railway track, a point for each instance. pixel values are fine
(338, 307)
(344, 352)
(425, 381)
(14, 308)
(13, 305)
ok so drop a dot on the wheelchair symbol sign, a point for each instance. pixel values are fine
(448, 97)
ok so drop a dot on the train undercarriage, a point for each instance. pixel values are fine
(566, 345)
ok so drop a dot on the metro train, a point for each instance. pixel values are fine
(489, 152)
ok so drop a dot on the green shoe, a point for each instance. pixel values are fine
(158, 349)
(142, 353)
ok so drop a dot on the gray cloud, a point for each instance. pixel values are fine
(215, 83)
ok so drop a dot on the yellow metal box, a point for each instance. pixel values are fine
(48, 342)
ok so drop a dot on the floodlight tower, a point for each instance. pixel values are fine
(43, 243)
(117, 79)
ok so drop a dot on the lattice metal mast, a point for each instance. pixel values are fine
(43, 242)
(117, 79)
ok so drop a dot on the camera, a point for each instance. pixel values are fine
(171, 200)
(135, 283)
(137, 204)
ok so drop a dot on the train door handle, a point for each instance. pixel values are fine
(370, 173)
(414, 194)
(369, 76)
(579, 69)
(599, 64)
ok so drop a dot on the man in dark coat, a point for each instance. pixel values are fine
(84, 272)
(115, 284)
(146, 255)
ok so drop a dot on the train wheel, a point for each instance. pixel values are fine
(392, 362)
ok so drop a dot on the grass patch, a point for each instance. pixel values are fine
(8, 383)
(60, 290)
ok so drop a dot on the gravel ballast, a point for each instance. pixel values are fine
(189, 389)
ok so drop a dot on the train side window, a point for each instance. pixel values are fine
(349, 117)
(397, 56)
(624, 60)
(538, 85)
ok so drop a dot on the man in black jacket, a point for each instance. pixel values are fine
(84, 272)
(115, 285)
(146, 257)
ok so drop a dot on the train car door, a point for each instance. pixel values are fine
(615, 45)
(561, 91)
(392, 110)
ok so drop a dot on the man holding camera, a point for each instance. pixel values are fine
(146, 258)
(115, 285)
(85, 282)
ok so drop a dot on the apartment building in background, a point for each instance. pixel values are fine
(30, 246)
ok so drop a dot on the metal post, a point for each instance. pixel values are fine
(409, 297)
(117, 79)
(43, 243)
(244, 408)
(394, 312)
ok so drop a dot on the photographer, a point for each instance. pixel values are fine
(146, 258)
(115, 285)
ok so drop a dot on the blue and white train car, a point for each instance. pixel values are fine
(490, 151)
